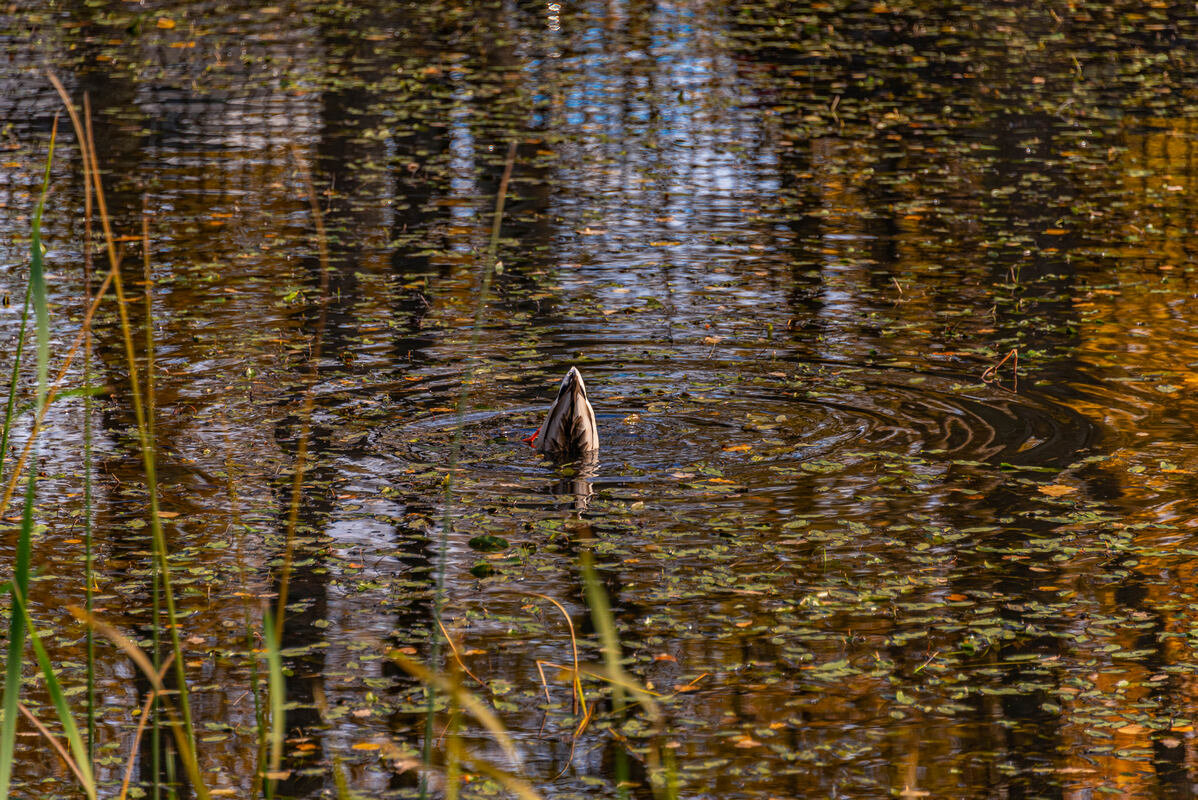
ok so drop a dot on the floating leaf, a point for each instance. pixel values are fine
(489, 543)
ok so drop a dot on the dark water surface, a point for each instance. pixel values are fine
(783, 243)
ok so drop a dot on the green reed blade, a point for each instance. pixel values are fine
(276, 689)
(54, 688)
(35, 294)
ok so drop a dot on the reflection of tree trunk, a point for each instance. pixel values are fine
(414, 183)
(416, 552)
(333, 330)
(1045, 275)
(1134, 599)
(1032, 735)
(307, 599)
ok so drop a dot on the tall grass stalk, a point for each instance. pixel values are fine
(54, 743)
(88, 553)
(54, 392)
(464, 698)
(16, 629)
(88, 151)
(454, 751)
(142, 662)
(484, 290)
(146, 709)
(605, 625)
(36, 295)
(276, 691)
(37, 286)
(663, 773)
(82, 765)
(12, 386)
(156, 580)
(148, 279)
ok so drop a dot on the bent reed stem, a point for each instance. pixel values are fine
(88, 151)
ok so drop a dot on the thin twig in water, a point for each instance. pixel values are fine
(578, 693)
(991, 373)
(453, 717)
(586, 720)
(569, 758)
(141, 727)
(544, 683)
(605, 675)
(57, 745)
(931, 658)
(457, 657)
(690, 685)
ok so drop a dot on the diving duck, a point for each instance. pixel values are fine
(569, 430)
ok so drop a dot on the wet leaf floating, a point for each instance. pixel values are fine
(489, 543)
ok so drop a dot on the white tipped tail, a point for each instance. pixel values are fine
(570, 430)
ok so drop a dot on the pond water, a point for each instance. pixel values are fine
(885, 310)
